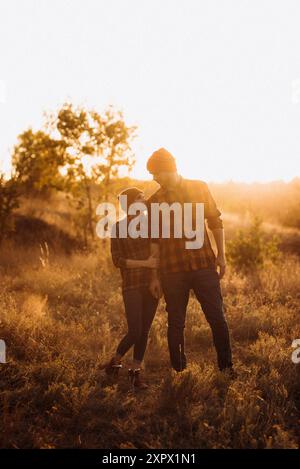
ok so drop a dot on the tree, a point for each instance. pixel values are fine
(74, 128)
(112, 141)
(76, 149)
(37, 159)
(8, 202)
(97, 146)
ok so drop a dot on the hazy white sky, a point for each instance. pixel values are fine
(215, 82)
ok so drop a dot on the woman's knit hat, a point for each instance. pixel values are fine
(132, 193)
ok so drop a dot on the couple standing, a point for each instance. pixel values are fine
(150, 267)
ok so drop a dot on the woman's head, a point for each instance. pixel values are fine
(133, 195)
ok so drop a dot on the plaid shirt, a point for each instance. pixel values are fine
(129, 248)
(174, 257)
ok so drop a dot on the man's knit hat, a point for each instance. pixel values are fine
(161, 160)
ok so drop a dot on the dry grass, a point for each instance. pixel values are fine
(62, 315)
(61, 318)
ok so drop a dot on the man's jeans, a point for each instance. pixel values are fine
(206, 286)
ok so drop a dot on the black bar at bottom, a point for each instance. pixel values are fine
(141, 457)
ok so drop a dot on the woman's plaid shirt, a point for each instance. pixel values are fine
(129, 248)
(174, 257)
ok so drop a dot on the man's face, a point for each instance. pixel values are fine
(164, 178)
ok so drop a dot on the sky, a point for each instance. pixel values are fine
(216, 83)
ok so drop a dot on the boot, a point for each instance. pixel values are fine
(134, 377)
(112, 368)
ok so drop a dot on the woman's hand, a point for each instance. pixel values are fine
(155, 288)
(152, 262)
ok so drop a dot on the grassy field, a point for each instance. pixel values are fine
(61, 317)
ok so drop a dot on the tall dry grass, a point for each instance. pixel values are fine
(61, 317)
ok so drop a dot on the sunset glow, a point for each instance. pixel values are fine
(214, 82)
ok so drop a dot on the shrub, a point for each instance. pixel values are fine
(8, 202)
(251, 249)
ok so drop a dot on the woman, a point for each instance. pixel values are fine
(132, 257)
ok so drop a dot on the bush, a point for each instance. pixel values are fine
(291, 217)
(8, 202)
(251, 249)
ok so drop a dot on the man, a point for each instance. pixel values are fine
(183, 269)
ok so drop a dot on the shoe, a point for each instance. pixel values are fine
(134, 377)
(112, 368)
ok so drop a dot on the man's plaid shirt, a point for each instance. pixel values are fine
(174, 257)
(129, 248)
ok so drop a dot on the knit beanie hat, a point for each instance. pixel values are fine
(161, 160)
